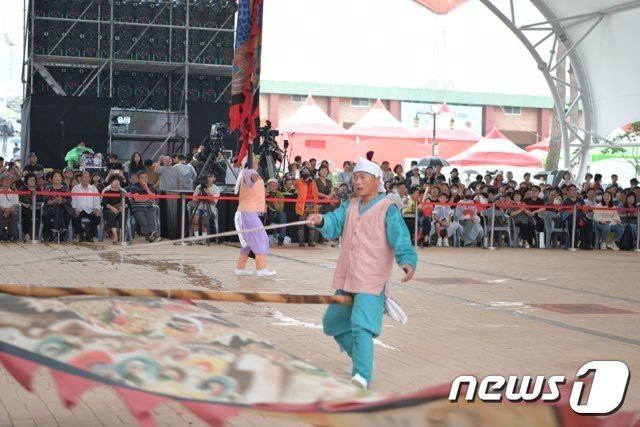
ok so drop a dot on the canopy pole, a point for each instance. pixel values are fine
(189, 294)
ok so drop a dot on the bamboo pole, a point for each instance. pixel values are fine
(190, 294)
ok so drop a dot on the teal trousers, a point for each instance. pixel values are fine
(354, 327)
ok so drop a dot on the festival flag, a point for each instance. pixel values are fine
(152, 351)
(244, 114)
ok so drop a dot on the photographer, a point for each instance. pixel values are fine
(269, 152)
(269, 155)
(275, 210)
(217, 165)
(306, 204)
(204, 208)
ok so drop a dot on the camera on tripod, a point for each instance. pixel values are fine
(267, 132)
(218, 132)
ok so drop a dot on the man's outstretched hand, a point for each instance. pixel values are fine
(314, 220)
(409, 272)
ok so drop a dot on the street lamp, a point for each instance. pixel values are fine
(444, 109)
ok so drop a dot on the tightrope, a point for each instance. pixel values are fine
(163, 242)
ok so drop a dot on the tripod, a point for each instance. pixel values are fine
(205, 205)
(282, 171)
(209, 212)
(267, 149)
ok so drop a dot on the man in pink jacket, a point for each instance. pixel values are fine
(373, 233)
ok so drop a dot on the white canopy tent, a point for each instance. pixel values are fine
(599, 36)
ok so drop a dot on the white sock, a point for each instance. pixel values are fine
(196, 233)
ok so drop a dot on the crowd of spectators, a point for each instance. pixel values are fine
(444, 210)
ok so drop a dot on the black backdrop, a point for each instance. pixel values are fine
(57, 123)
(202, 115)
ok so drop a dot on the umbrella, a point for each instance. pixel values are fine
(152, 351)
(433, 161)
(541, 175)
(471, 172)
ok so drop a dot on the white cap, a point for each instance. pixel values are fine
(364, 165)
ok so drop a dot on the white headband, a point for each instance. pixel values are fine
(364, 165)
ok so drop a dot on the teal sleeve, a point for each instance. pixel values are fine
(334, 222)
(399, 239)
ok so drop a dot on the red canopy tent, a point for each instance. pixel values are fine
(540, 145)
(495, 150)
(313, 134)
(382, 133)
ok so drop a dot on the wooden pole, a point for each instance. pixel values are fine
(190, 294)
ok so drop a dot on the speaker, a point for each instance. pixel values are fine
(55, 124)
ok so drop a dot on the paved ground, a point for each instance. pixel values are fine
(471, 311)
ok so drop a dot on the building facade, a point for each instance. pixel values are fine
(523, 119)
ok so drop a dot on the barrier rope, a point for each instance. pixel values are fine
(421, 205)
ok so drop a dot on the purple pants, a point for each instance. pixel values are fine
(257, 241)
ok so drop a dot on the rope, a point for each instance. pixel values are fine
(155, 244)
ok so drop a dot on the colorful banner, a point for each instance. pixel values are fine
(151, 351)
(244, 114)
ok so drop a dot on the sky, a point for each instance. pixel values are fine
(392, 43)
(11, 27)
(397, 43)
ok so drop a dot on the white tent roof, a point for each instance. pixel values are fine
(310, 119)
(379, 122)
(606, 54)
(494, 149)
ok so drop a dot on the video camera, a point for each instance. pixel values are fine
(267, 132)
(217, 133)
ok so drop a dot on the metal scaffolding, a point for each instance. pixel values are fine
(102, 59)
(541, 39)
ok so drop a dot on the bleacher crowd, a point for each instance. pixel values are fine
(438, 210)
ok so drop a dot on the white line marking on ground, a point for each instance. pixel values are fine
(290, 321)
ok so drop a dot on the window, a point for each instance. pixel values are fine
(298, 99)
(512, 111)
(360, 102)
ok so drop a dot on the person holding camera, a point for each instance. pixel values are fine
(275, 209)
(307, 204)
(205, 209)
(269, 155)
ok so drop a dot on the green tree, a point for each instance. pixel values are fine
(630, 154)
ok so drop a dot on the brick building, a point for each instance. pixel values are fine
(523, 119)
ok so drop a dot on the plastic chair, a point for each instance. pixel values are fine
(551, 219)
(99, 229)
(131, 222)
(487, 214)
